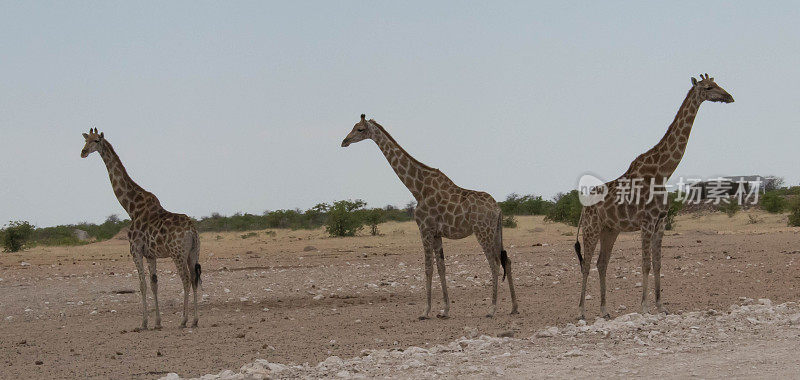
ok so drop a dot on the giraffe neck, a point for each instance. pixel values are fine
(662, 160)
(410, 171)
(131, 196)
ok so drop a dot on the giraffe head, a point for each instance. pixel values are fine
(709, 90)
(362, 130)
(93, 142)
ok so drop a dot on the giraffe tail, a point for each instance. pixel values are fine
(503, 254)
(194, 257)
(577, 242)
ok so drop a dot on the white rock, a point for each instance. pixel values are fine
(574, 352)
(548, 332)
(318, 297)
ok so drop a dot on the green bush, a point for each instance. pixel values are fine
(510, 222)
(730, 208)
(16, 235)
(566, 209)
(525, 205)
(343, 218)
(675, 207)
(794, 212)
(249, 235)
(372, 218)
(773, 202)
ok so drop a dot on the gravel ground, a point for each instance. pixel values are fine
(297, 297)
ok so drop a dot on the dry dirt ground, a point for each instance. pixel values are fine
(293, 297)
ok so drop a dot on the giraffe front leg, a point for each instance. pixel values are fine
(646, 245)
(151, 264)
(428, 275)
(437, 247)
(656, 248)
(590, 237)
(514, 305)
(137, 260)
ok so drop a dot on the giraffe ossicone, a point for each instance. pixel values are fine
(443, 210)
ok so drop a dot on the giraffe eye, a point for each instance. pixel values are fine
(97, 141)
(708, 88)
(361, 129)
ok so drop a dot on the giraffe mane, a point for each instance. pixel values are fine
(414, 160)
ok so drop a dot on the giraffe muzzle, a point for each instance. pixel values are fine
(345, 143)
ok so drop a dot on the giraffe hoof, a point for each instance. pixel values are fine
(157, 327)
(490, 315)
(140, 329)
(194, 324)
(607, 317)
(442, 316)
(581, 318)
(423, 317)
(514, 311)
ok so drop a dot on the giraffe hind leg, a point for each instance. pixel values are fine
(506, 263)
(183, 271)
(487, 239)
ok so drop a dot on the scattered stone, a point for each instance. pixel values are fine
(548, 332)
(309, 248)
(506, 334)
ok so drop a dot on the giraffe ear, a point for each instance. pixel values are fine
(363, 117)
(694, 82)
(101, 135)
(85, 135)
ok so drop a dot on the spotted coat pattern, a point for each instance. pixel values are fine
(443, 210)
(603, 221)
(154, 232)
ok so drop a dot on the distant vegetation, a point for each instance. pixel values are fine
(567, 209)
(516, 204)
(15, 236)
(348, 217)
(510, 222)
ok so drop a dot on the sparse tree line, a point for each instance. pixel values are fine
(348, 217)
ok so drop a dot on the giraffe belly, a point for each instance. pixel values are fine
(455, 233)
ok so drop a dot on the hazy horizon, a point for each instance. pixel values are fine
(241, 107)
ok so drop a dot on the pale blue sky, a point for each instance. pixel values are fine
(241, 106)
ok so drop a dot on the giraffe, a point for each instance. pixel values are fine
(154, 232)
(603, 221)
(443, 210)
